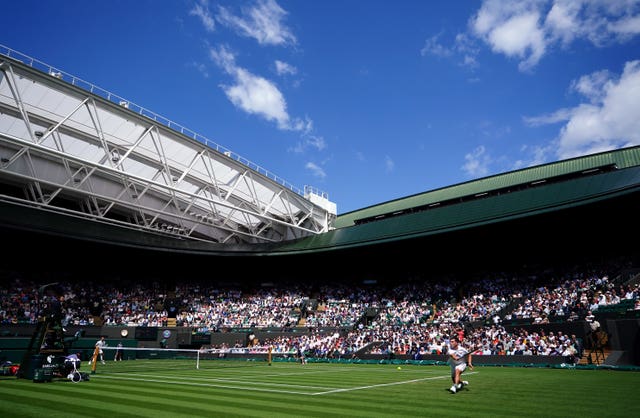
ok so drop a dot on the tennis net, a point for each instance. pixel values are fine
(149, 359)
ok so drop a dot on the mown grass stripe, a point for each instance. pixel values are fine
(134, 405)
(202, 384)
(379, 385)
(493, 392)
(226, 380)
(63, 405)
(20, 406)
(274, 407)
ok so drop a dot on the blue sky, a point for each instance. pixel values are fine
(367, 101)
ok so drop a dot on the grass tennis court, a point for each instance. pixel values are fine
(235, 388)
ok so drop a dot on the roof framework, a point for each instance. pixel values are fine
(80, 162)
(70, 147)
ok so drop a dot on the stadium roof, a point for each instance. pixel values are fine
(207, 203)
(519, 194)
(582, 198)
(524, 178)
(70, 147)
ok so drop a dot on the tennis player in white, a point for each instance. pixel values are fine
(459, 360)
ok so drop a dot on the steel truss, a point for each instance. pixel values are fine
(76, 151)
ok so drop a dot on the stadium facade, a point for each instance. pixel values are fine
(84, 164)
(87, 176)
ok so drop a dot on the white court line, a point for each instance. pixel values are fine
(227, 380)
(259, 389)
(385, 384)
(212, 385)
(253, 375)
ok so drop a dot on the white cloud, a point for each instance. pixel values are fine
(285, 68)
(302, 125)
(561, 21)
(251, 93)
(520, 37)
(316, 170)
(627, 26)
(512, 28)
(201, 68)
(466, 47)
(529, 29)
(434, 47)
(224, 58)
(201, 10)
(463, 48)
(593, 86)
(556, 117)
(610, 119)
(254, 94)
(258, 95)
(537, 155)
(477, 162)
(310, 141)
(389, 164)
(263, 22)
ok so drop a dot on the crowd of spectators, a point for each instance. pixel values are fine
(415, 317)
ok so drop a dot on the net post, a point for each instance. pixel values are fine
(198, 360)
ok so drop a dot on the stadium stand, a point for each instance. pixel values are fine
(515, 261)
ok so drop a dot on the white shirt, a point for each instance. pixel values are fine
(460, 353)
